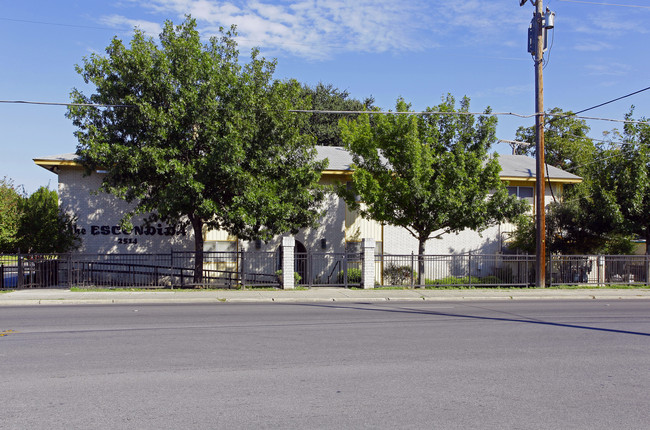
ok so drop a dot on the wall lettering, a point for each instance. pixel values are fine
(138, 230)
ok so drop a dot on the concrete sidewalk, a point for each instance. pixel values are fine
(67, 297)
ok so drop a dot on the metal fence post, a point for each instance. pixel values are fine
(171, 268)
(20, 280)
(345, 269)
(412, 271)
(242, 279)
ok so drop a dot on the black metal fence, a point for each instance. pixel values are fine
(322, 269)
(455, 270)
(259, 269)
(174, 270)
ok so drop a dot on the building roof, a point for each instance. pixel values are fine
(513, 167)
(339, 158)
(521, 167)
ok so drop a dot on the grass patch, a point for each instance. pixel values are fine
(104, 289)
(601, 287)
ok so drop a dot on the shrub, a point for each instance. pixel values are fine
(354, 276)
(398, 275)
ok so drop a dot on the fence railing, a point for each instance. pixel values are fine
(255, 269)
(322, 269)
(455, 270)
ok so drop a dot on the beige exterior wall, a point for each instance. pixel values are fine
(99, 215)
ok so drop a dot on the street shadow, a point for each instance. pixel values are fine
(513, 318)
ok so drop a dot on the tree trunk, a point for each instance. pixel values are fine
(197, 226)
(421, 278)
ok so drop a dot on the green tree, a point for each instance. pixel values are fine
(43, 227)
(198, 138)
(583, 221)
(566, 144)
(9, 215)
(572, 229)
(429, 174)
(621, 180)
(325, 127)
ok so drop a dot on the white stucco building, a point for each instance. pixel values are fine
(99, 214)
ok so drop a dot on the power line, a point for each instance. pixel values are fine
(575, 114)
(25, 102)
(359, 112)
(377, 112)
(56, 24)
(614, 100)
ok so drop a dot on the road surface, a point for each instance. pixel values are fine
(487, 365)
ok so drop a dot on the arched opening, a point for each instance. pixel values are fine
(301, 262)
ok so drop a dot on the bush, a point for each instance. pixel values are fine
(354, 276)
(398, 275)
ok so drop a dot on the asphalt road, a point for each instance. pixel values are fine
(513, 365)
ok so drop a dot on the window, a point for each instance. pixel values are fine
(353, 247)
(525, 193)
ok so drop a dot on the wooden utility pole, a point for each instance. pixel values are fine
(540, 186)
(540, 23)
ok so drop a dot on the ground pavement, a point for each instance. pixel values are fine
(53, 296)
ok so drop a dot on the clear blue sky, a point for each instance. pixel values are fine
(416, 49)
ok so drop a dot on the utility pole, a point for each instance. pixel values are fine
(540, 23)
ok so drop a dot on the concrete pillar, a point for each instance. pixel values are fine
(601, 270)
(288, 262)
(368, 269)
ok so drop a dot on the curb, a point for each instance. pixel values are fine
(592, 295)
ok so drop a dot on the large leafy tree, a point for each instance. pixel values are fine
(606, 210)
(621, 180)
(10, 200)
(429, 174)
(566, 142)
(195, 137)
(570, 227)
(325, 127)
(43, 226)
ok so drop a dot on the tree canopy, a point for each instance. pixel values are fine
(566, 144)
(33, 223)
(325, 127)
(609, 208)
(621, 180)
(429, 174)
(43, 227)
(193, 136)
(9, 215)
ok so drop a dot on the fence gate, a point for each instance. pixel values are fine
(328, 269)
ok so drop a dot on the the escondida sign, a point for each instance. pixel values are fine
(138, 230)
